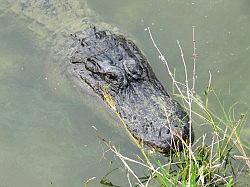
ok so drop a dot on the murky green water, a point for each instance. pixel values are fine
(46, 138)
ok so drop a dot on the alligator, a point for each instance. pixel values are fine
(115, 69)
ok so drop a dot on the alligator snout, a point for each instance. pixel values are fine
(152, 116)
(106, 60)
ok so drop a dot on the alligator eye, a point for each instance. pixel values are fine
(90, 65)
(133, 68)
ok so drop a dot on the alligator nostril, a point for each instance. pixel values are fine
(120, 57)
(163, 130)
(176, 125)
(167, 131)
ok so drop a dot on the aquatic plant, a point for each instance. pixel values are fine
(216, 158)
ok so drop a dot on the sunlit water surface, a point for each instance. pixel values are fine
(46, 134)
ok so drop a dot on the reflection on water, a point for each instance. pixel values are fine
(46, 138)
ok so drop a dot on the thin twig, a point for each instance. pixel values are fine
(194, 60)
(164, 60)
(189, 101)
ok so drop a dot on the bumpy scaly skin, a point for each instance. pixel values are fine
(111, 64)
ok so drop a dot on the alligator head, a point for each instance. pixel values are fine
(114, 66)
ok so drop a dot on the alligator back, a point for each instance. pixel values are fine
(49, 20)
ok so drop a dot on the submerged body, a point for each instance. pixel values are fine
(114, 67)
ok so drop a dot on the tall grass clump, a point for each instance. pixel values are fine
(216, 158)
